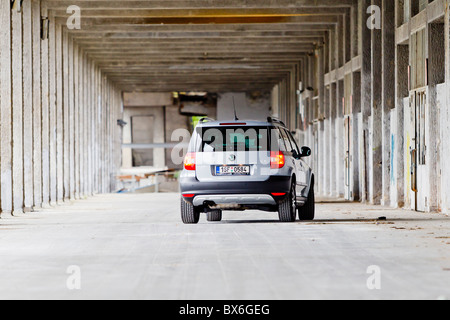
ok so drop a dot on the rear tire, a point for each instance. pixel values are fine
(287, 208)
(189, 214)
(308, 211)
(214, 216)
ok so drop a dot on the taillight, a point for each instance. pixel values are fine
(189, 162)
(277, 160)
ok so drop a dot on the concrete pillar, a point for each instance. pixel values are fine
(436, 102)
(93, 130)
(17, 113)
(71, 122)
(85, 125)
(102, 127)
(366, 106)
(89, 121)
(354, 138)
(445, 118)
(321, 130)
(105, 135)
(77, 117)
(27, 106)
(112, 132)
(100, 132)
(375, 124)
(366, 73)
(340, 32)
(91, 105)
(37, 105)
(118, 134)
(45, 100)
(327, 140)
(110, 137)
(96, 130)
(87, 109)
(127, 154)
(59, 116)
(5, 109)
(333, 137)
(347, 24)
(65, 117)
(81, 127)
(114, 128)
(354, 13)
(91, 124)
(326, 120)
(331, 106)
(52, 110)
(339, 142)
(388, 97)
(402, 91)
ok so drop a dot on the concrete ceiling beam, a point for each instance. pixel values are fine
(87, 22)
(204, 13)
(197, 4)
(203, 41)
(162, 28)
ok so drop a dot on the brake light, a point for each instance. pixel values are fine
(280, 194)
(188, 195)
(277, 160)
(189, 162)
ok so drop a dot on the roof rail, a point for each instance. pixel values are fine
(275, 120)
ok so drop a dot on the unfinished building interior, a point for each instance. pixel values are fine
(364, 83)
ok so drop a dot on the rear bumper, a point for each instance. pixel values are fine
(248, 193)
(229, 199)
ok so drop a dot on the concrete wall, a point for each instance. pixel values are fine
(157, 131)
(443, 105)
(249, 106)
(58, 115)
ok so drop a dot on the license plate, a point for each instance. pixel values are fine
(232, 170)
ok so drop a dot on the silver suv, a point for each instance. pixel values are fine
(244, 165)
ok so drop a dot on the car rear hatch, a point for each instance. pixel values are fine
(233, 153)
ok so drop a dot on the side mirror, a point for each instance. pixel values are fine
(306, 152)
(296, 155)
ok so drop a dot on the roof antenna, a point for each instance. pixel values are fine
(235, 114)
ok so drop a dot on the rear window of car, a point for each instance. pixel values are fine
(233, 139)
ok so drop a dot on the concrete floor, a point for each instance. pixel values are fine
(135, 247)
